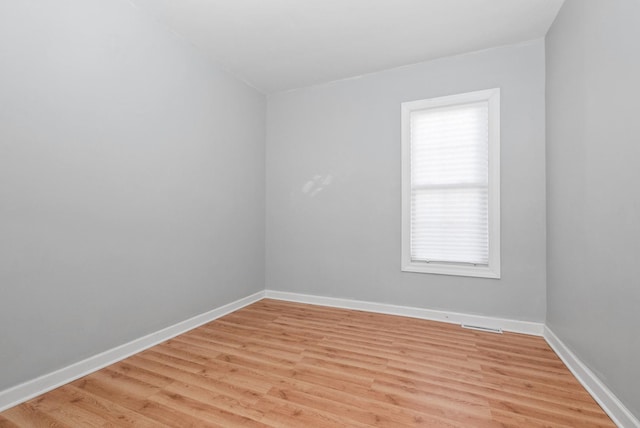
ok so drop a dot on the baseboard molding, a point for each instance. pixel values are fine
(515, 326)
(620, 415)
(30, 389)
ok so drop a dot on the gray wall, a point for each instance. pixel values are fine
(593, 150)
(333, 186)
(131, 182)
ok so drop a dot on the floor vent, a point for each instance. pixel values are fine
(487, 329)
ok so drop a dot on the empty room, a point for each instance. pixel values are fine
(319, 213)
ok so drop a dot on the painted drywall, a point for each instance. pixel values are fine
(593, 148)
(333, 186)
(131, 182)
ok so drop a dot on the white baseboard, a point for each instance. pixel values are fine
(620, 415)
(30, 389)
(515, 326)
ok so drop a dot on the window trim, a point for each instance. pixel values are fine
(492, 269)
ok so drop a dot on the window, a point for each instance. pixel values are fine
(451, 185)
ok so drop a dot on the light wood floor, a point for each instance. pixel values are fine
(292, 365)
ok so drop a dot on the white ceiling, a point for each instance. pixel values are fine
(275, 45)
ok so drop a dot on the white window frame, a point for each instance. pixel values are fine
(492, 269)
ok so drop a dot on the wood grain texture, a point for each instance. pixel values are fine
(280, 364)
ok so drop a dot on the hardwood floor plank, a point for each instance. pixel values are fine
(238, 405)
(6, 423)
(26, 415)
(282, 364)
(298, 415)
(372, 402)
(112, 413)
(346, 411)
(197, 408)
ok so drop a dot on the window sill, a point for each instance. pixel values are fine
(452, 269)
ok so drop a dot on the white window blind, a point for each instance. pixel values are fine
(451, 185)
